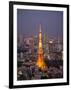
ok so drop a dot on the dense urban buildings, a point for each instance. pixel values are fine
(27, 57)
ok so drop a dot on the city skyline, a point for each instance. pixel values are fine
(28, 22)
(39, 57)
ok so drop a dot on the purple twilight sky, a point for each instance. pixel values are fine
(28, 22)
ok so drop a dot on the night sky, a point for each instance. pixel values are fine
(28, 22)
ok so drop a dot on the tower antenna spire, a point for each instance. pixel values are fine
(40, 28)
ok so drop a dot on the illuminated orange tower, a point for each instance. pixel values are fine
(40, 59)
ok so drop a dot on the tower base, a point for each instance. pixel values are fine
(40, 63)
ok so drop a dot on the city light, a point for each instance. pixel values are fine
(50, 41)
(39, 57)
